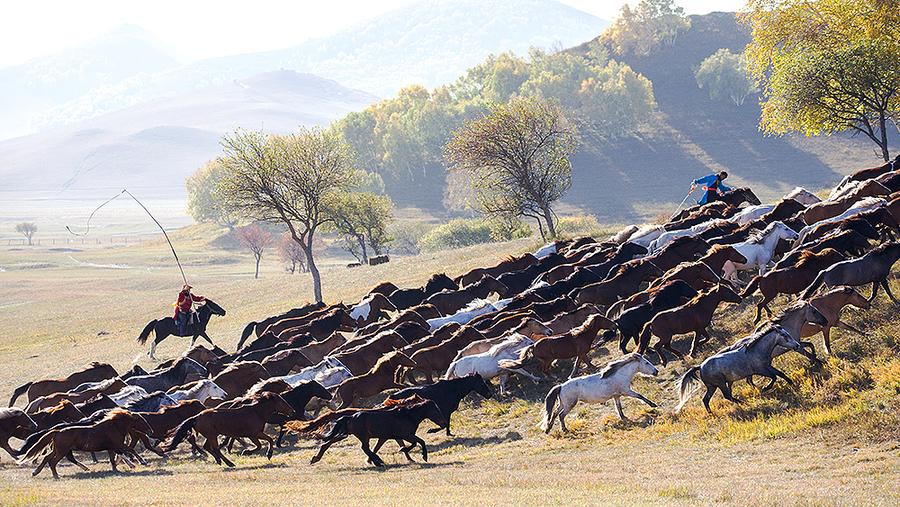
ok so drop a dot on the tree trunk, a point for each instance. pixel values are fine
(256, 275)
(361, 240)
(293, 266)
(548, 218)
(882, 124)
(313, 269)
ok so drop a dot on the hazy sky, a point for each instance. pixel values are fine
(194, 29)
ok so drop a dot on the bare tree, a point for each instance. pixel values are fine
(517, 158)
(290, 252)
(256, 239)
(287, 179)
(27, 229)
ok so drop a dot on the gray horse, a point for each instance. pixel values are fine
(749, 356)
(183, 371)
(874, 268)
(152, 402)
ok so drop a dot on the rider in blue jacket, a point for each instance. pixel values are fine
(712, 184)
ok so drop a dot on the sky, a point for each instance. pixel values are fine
(194, 29)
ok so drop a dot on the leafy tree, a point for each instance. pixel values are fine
(202, 203)
(287, 179)
(362, 218)
(289, 251)
(725, 76)
(27, 229)
(256, 239)
(641, 29)
(826, 66)
(517, 158)
(615, 102)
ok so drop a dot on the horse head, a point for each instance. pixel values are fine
(644, 366)
(727, 294)
(214, 308)
(440, 282)
(480, 386)
(192, 370)
(319, 391)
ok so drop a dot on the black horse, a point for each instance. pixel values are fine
(167, 326)
(447, 394)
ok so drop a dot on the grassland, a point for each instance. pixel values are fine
(831, 440)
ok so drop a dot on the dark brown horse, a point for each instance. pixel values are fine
(693, 316)
(620, 284)
(872, 172)
(829, 305)
(165, 327)
(710, 211)
(238, 377)
(507, 265)
(338, 319)
(361, 359)
(733, 197)
(640, 310)
(168, 418)
(575, 343)
(449, 302)
(280, 325)
(682, 249)
(405, 298)
(94, 372)
(382, 376)
(14, 422)
(246, 420)
(791, 279)
(286, 361)
(64, 411)
(715, 259)
(260, 327)
(566, 321)
(437, 358)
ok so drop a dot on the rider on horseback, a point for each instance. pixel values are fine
(184, 307)
(712, 185)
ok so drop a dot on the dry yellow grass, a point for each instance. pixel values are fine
(832, 440)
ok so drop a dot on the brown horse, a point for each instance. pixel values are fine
(505, 266)
(711, 211)
(791, 279)
(246, 420)
(828, 209)
(408, 315)
(620, 284)
(383, 288)
(94, 372)
(681, 249)
(168, 418)
(108, 386)
(239, 377)
(64, 411)
(210, 359)
(576, 344)
(440, 334)
(530, 328)
(437, 358)
(830, 305)
(372, 308)
(316, 351)
(845, 242)
(507, 323)
(715, 259)
(406, 298)
(361, 359)
(286, 323)
(566, 321)
(318, 329)
(106, 435)
(872, 172)
(260, 327)
(693, 316)
(285, 362)
(14, 422)
(449, 302)
(382, 376)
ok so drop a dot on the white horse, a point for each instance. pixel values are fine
(623, 235)
(490, 364)
(512, 340)
(474, 309)
(544, 251)
(669, 236)
(860, 206)
(646, 235)
(750, 213)
(613, 382)
(201, 391)
(758, 250)
(128, 395)
(329, 369)
(803, 196)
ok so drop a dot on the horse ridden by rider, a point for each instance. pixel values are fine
(184, 308)
(186, 321)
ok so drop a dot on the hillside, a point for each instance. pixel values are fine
(158, 144)
(430, 43)
(693, 135)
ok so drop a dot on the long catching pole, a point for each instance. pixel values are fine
(691, 191)
(125, 191)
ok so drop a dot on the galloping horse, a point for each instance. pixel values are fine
(167, 326)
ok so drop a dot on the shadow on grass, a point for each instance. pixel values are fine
(99, 474)
(390, 467)
(510, 436)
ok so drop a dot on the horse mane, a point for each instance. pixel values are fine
(117, 413)
(713, 250)
(412, 399)
(475, 304)
(386, 358)
(612, 367)
(62, 405)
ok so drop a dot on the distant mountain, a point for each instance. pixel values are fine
(158, 144)
(430, 43)
(28, 91)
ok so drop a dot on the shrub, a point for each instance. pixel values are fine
(579, 225)
(406, 236)
(456, 233)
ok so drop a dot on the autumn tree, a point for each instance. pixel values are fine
(641, 29)
(203, 206)
(27, 229)
(256, 239)
(827, 66)
(724, 75)
(290, 252)
(517, 158)
(362, 218)
(289, 180)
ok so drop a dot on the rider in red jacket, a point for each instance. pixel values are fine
(185, 306)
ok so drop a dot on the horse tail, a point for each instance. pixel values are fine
(19, 392)
(820, 279)
(246, 334)
(751, 287)
(38, 447)
(181, 432)
(339, 428)
(549, 403)
(687, 386)
(646, 332)
(142, 339)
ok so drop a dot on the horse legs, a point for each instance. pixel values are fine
(874, 292)
(574, 367)
(618, 403)
(419, 441)
(634, 394)
(208, 445)
(561, 412)
(887, 288)
(112, 461)
(215, 446)
(710, 391)
(623, 342)
(843, 325)
(71, 457)
(364, 443)
(772, 371)
(726, 392)
(697, 342)
(324, 447)
(257, 446)
(206, 337)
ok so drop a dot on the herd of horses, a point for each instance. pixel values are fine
(368, 369)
